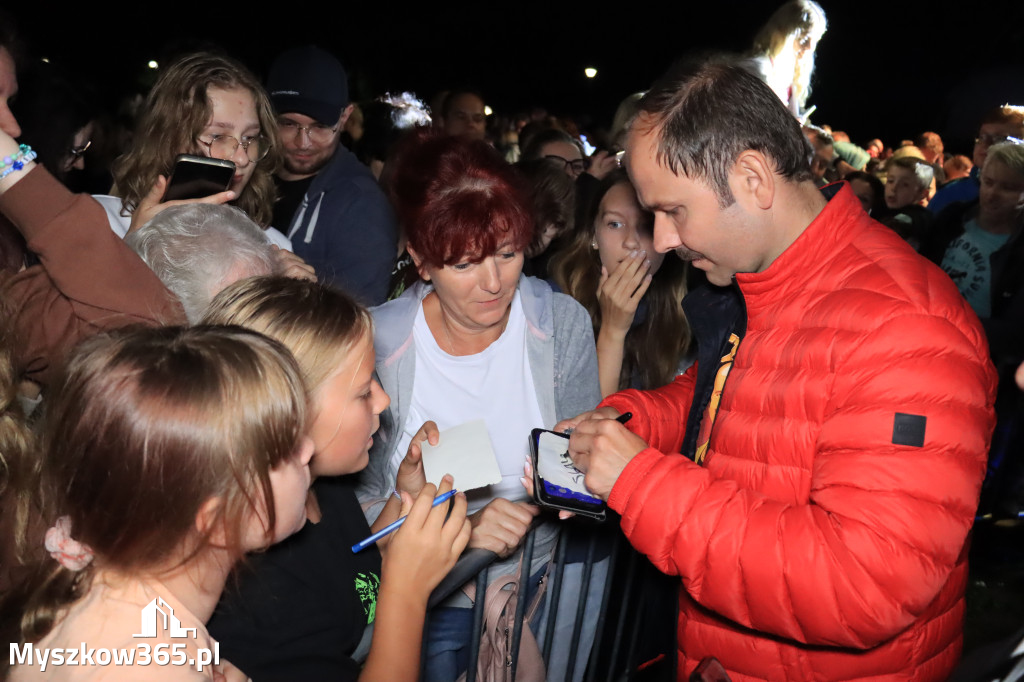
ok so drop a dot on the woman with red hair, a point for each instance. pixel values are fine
(475, 340)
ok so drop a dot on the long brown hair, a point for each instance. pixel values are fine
(655, 346)
(17, 443)
(176, 112)
(147, 426)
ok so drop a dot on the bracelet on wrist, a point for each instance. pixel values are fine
(17, 161)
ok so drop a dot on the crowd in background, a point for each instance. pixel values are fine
(312, 318)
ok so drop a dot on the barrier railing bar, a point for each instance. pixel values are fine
(524, 597)
(581, 607)
(555, 591)
(602, 616)
(616, 643)
(478, 622)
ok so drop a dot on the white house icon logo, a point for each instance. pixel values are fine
(157, 615)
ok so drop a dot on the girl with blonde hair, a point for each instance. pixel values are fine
(318, 596)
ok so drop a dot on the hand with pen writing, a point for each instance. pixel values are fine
(427, 545)
(601, 446)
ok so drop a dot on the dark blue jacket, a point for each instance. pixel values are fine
(346, 229)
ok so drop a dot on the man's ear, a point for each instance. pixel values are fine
(752, 179)
(345, 113)
(417, 260)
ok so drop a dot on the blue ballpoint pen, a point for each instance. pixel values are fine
(390, 528)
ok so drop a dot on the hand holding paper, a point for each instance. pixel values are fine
(466, 453)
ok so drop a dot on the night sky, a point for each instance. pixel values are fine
(887, 69)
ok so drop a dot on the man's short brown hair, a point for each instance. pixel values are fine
(710, 111)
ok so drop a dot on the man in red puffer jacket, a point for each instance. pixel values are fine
(813, 478)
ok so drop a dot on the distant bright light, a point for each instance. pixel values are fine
(590, 72)
(46, 60)
(487, 110)
(152, 64)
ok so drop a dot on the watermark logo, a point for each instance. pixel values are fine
(159, 615)
(158, 620)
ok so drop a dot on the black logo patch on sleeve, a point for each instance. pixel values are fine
(908, 429)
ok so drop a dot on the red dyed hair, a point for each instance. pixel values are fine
(458, 199)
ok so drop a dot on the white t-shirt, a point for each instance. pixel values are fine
(495, 385)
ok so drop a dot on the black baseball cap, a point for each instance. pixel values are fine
(309, 81)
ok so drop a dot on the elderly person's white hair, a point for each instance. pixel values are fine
(198, 249)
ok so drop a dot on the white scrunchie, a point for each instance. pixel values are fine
(68, 552)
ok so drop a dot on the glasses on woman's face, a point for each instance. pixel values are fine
(225, 146)
(76, 152)
(573, 167)
(318, 132)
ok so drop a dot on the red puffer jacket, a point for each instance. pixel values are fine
(810, 546)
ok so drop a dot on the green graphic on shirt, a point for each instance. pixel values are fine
(367, 586)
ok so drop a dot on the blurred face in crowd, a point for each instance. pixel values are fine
(865, 194)
(1000, 197)
(567, 154)
(932, 149)
(75, 157)
(8, 89)
(991, 133)
(902, 188)
(822, 160)
(307, 144)
(466, 117)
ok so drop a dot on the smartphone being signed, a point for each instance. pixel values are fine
(557, 483)
(195, 177)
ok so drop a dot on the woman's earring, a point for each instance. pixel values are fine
(593, 244)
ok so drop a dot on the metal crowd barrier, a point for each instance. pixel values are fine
(635, 624)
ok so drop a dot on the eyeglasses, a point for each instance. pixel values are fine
(989, 139)
(318, 132)
(225, 146)
(78, 151)
(576, 166)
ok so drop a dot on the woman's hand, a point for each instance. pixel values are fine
(602, 163)
(620, 291)
(411, 477)
(151, 204)
(501, 525)
(527, 481)
(426, 547)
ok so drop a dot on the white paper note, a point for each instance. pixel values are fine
(465, 452)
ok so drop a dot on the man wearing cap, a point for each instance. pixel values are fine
(330, 205)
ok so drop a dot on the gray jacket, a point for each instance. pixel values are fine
(563, 358)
